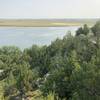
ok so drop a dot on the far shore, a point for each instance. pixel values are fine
(45, 22)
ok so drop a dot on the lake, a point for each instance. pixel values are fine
(24, 37)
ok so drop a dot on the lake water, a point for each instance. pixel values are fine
(24, 37)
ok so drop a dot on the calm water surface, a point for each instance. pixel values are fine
(24, 37)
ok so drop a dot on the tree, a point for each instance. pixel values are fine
(79, 31)
(83, 30)
(86, 29)
(86, 81)
(96, 29)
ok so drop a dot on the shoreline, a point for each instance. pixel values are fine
(45, 23)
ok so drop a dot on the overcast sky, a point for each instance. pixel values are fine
(49, 9)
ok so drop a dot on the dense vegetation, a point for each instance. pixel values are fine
(67, 69)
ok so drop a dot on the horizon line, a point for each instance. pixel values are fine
(43, 18)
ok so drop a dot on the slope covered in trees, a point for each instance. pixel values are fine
(67, 69)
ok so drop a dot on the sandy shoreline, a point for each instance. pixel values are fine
(44, 23)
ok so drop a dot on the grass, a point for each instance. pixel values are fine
(45, 23)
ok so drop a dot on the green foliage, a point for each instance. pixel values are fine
(96, 29)
(86, 81)
(68, 68)
(79, 31)
(83, 30)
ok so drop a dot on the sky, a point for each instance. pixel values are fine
(36, 9)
